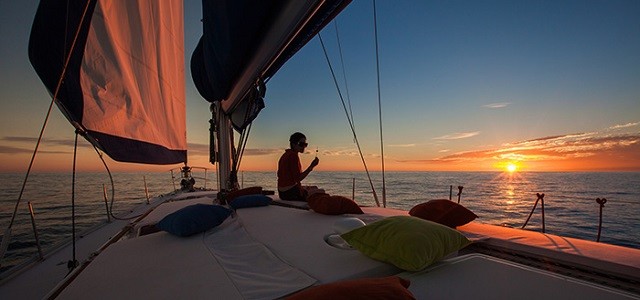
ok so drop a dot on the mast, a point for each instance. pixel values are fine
(224, 136)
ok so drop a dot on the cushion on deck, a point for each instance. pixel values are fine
(333, 205)
(243, 192)
(391, 287)
(250, 201)
(444, 212)
(194, 219)
(409, 243)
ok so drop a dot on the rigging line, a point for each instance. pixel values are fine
(244, 137)
(113, 188)
(344, 73)
(44, 125)
(244, 143)
(73, 262)
(353, 130)
(375, 26)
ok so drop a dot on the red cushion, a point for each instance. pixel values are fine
(243, 192)
(333, 205)
(392, 287)
(443, 211)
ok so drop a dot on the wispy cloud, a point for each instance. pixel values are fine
(13, 150)
(259, 152)
(497, 105)
(17, 150)
(338, 152)
(5, 149)
(550, 148)
(457, 135)
(203, 150)
(625, 125)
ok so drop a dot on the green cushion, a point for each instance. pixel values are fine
(409, 243)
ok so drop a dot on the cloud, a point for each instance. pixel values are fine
(16, 150)
(551, 148)
(457, 135)
(13, 150)
(52, 142)
(259, 152)
(625, 125)
(203, 150)
(403, 145)
(339, 152)
(497, 105)
(587, 151)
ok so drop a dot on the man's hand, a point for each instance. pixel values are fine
(314, 162)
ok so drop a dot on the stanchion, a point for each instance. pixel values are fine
(601, 202)
(540, 198)
(106, 202)
(146, 191)
(35, 231)
(353, 189)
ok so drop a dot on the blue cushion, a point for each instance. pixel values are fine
(194, 219)
(250, 201)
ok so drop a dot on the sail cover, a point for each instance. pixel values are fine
(124, 82)
(247, 41)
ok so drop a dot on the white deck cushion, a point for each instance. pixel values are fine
(298, 237)
(156, 266)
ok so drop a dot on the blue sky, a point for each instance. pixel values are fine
(465, 85)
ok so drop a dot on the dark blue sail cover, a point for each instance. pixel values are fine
(245, 41)
(124, 83)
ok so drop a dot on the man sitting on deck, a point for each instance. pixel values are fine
(290, 172)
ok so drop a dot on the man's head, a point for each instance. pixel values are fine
(298, 142)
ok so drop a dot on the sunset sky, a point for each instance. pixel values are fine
(465, 86)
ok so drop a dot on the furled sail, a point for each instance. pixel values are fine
(245, 42)
(124, 83)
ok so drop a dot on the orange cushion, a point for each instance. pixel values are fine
(333, 205)
(443, 211)
(392, 287)
(243, 192)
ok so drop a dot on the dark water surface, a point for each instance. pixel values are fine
(497, 198)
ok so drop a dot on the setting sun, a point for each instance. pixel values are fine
(511, 167)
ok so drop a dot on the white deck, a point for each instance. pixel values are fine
(477, 276)
(162, 266)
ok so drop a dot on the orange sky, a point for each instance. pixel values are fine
(470, 96)
(608, 150)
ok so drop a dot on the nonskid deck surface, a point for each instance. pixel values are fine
(477, 276)
(36, 279)
(292, 236)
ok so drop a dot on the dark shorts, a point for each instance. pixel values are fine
(295, 193)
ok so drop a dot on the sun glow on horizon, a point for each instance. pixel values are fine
(511, 167)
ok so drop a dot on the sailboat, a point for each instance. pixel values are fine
(115, 70)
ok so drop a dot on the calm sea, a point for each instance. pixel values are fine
(497, 198)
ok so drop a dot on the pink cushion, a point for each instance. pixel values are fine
(333, 205)
(443, 211)
(392, 287)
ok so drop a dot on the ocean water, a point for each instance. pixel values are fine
(497, 198)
